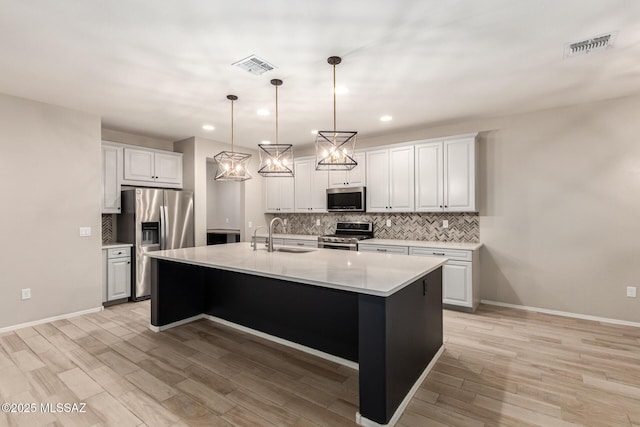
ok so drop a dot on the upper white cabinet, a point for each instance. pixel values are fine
(111, 178)
(446, 175)
(310, 186)
(390, 180)
(279, 194)
(152, 168)
(354, 178)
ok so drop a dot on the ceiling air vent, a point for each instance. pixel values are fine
(594, 44)
(254, 65)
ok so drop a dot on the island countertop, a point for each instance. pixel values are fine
(367, 273)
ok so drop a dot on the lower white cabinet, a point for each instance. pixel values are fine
(303, 243)
(117, 274)
(460, 281)
(460, 275)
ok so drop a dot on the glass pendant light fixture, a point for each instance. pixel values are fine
(276, 159)
(232, 166)
(335, 149)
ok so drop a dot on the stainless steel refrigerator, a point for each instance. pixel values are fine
(151, 220)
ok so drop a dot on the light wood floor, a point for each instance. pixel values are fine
(500, 367)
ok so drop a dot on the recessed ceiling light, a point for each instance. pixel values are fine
(386, 118)
(265, 142)
(315, 132)
(342, 90)
(262, 112)
(208, 127)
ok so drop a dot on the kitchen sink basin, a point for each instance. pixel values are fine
(294, 250)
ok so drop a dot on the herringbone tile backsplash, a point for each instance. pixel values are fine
(463, 227)
(107, 228)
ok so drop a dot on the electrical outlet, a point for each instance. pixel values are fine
(445, 223)
(85, 231)
(26, 293)
(317, 221)
(631, 291)
(285, 221)
(226, 220)
(388, 223)
(250, 224)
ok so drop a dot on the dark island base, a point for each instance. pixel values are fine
(392, 338)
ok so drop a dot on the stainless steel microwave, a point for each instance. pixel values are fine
(348, 199)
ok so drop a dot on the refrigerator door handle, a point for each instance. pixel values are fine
(163, 236)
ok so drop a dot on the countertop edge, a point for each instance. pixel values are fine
(116, 245)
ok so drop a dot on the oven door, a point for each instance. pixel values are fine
(339, 246)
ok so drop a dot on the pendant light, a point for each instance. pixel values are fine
(232, 166)
(335, 149)
(276, 159)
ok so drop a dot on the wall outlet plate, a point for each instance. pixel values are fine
(250, 225)
(318, 221)
(445, 223)
(85, 231)
(388, 223)
(26, 293)
(631, 291)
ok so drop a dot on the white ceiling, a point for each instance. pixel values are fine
(163, 68)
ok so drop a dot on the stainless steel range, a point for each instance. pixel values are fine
(347, 236)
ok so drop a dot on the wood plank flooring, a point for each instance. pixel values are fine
(500, 367)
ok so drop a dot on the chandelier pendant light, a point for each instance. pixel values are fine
(232, 166)
(335, 149)
(276, 159)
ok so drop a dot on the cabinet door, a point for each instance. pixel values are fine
(456, 283)
(459, 177)
(338, 179)
(319, 181)
(111, 171)
(377, 181)
(429, 177)
(138, 165)
(168, 168)
(118, 278)
(302, 178)
(287, 194)
(401, 179)
(357, 176)
(271, 195)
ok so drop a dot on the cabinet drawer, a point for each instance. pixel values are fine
(453, 254)
(304, 243)
(118, 253)
(403, 250)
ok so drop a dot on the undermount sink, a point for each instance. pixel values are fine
(294, 250)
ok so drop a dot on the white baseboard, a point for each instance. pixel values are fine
(51, 319)
(562, 313)
(312, 351)
(174, 324)
(405, 402)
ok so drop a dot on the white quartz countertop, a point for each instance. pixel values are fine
(289, 236)
(116, 245)
(424, 244)
(369, 273)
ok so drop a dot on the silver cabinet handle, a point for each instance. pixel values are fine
(438, 253)
(381, 250)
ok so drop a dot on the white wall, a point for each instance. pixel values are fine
(196, 152)
(559, 206)
(50, 170)
(223, 201)
(135, 139)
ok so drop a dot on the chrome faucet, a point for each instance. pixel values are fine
(270, 242)
(254, 242)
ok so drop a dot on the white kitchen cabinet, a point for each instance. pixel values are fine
(111, 178)
(390, 180)
(312, 242)
(155, 168)
(356, 177)
(279, 194)
(446, 175)
(392, 249)
(310, 186)
(460, 280)
(116, 274)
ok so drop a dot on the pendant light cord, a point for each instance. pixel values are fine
(277, 120)
(232, 125)
(334, 98)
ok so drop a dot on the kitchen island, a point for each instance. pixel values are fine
(382, 312)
